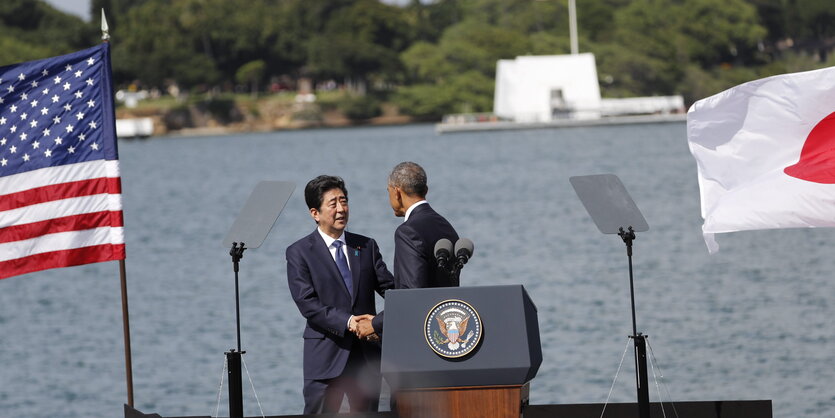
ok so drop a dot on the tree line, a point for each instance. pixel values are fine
(431, 57)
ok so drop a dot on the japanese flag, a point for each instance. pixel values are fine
(765, 152)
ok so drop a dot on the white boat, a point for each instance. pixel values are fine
(134, 128)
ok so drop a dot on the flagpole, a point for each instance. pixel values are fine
(126, 329)
(105, 37)
(572, 26)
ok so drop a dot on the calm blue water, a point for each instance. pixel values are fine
(752, 322)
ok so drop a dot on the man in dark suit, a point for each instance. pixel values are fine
(415, 238)
(333, 275)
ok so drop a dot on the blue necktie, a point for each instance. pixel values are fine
(342, 265)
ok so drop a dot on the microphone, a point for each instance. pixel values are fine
(443, 251)
(463, 251)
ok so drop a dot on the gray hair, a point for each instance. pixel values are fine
(410, 178)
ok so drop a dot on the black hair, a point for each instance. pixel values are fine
(409, 177)
(317, 188)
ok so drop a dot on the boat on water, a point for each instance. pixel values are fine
(134, 127)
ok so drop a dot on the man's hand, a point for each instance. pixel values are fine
(355, 319)
(364, 328)
(352, 324)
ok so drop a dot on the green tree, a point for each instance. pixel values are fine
(295, 23)
(774, 17)
(361, 41)
(233, 34)
(457, 75)
(523, 16)
(251, 73)
(719, 31)
(440, 55)
(164, 45)
(812, 23)
(429, 20)
(596, 19)
(467, 46)
(13, 51)
(625, 73)
(114, 10)
(32, 30)
(463, 93)
(662, 38)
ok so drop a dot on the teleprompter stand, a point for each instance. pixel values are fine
(614, 212)
(248, 231)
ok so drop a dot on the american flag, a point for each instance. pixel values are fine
(60, 191)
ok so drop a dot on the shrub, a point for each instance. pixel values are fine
(360, 107)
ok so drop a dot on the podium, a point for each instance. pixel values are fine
(460, 351)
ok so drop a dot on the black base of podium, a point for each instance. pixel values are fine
(704, 409)
(701, 409)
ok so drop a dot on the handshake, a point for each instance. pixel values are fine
(360, 325)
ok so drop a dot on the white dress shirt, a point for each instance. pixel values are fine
(409, 211)
(329, 242)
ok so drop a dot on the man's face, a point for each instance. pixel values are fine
(332, 216)
(396, 201)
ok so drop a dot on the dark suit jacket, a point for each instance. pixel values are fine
(414, 258)
(322, 298)
(414, 246)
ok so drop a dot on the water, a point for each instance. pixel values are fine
(752, 322)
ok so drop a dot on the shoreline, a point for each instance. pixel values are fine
(225, 117)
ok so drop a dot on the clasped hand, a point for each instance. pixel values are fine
(361, 326)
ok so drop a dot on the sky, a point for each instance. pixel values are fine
(79, 8)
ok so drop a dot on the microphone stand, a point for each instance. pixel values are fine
(639, 339)
(454, 274)
(452, 267)
(457, 266)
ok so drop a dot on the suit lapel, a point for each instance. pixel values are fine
(323, 255)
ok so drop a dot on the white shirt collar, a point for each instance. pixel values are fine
(411, 208)
(328, 239)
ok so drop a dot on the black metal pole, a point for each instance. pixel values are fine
(126, 330)
(454, 273)
(233, 357)
(105, 37)
(628, 237)
(237, 253)
(641, 375)
(236, 399)
(641, 380)
(237, 308)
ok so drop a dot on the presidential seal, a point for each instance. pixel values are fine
(452, 328)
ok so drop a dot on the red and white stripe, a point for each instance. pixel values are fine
(61, 216)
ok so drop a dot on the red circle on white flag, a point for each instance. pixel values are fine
(817, 158)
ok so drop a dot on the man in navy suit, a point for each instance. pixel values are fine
(415, 238)
(333, 275)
